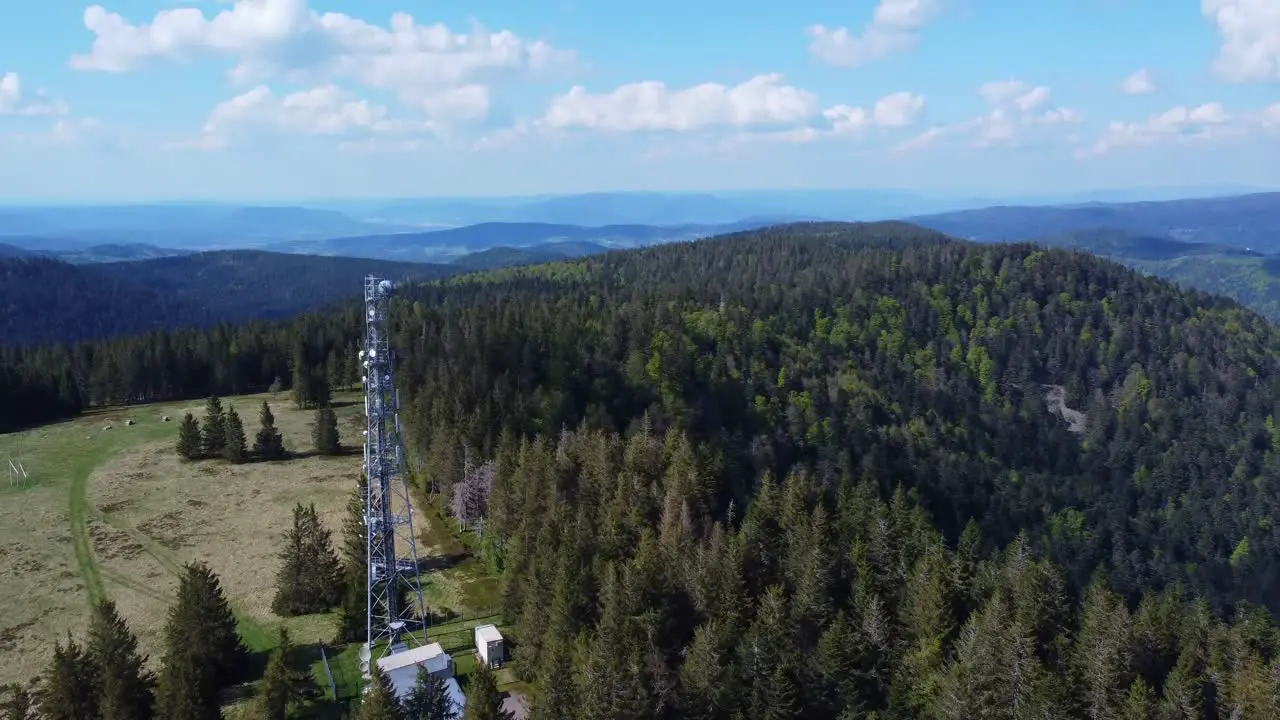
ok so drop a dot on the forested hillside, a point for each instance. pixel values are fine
(1247, 276)
(45, 300)
(825, 470)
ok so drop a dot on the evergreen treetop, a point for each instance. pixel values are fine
(125, 685)
(234, 449)
(484, 700)
(379, 700)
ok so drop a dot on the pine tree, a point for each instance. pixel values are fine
(379, 701)
(310, 578)
(429, 700)
(484, 701)
(284, 689)
(190, 444)
(324, 434)
(203, 651)
(19, 703)
(125, 686)
(268, 444)
(234, 451)
(214, 425)
(68, 690)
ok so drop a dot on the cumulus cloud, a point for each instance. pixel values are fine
(1139, 83)
(1250, 34)
(1014, 93)
(894, 28)
(325, 110)
(763, 100)
(1209, 121)
(1018, 114)
(897, 110)
(429, 66)
(13, 99)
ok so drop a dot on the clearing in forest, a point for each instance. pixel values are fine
(116, 512)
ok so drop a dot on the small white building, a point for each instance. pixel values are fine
(401, 667)
(489, 645)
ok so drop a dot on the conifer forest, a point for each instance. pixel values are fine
(817, 471)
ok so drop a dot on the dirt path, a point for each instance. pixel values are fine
(80, 539)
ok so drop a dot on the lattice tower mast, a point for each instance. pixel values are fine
(396, 611)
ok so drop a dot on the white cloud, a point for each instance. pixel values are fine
(1181, 123)
(764, 100)
(460, 103)
(894, 28)
(1017, 111)
(428, 66)
(1250, 31)
(67, 130)
(1139, 83)
(324, 110)
(1270, 116)
(13, 100)
(897, 110)
(1015, 93)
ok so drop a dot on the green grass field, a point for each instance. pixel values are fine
(114, 513)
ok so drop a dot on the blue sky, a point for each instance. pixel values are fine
(273, 99)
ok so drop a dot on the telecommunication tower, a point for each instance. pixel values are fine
(396, 611)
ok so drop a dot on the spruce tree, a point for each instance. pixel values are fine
(234, 451)
(268, 444)
(310, 577)
(186, 689)
(284, 689)
(353, 619)
(18, 703)
(125, 686)
(484, 700)
(203, 652)
(214, 425)
(324, 434)
(302, 377)
(333, 368)
(190, 442)
(68, 689)
(708, 681)
(429, 700)
(379, 701)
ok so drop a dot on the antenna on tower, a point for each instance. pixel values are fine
(397, 614)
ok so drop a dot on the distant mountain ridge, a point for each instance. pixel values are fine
(1242, 220)
(307, 227)
(450, 244)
